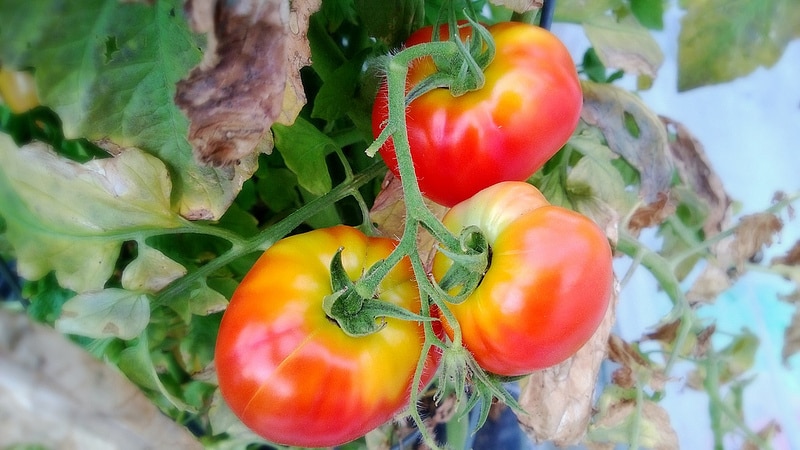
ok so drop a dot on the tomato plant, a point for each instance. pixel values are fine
(525, 111)
(547, 285)
(287, 369)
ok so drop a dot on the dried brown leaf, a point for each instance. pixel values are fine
(54, 393)
(791, 258)
(388, 213)
(558, 400)
(255, 49)
(652, 214)
(623, 353)
(298, 53)
(767, 434)
(694, 168)
(711, 282)
(519, 6)
(754, 232)
(791, 337)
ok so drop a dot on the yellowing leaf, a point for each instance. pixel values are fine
(107, 313)
(721, 40)
(151, 271)
(70, 217)
(618, 420)
(633, 131)
(519, 6)
(624, 44)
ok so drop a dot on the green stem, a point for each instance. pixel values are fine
(663, 272)
(269, 236)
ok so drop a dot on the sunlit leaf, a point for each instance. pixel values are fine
(151, 271)
(111, 74)
(625, 45)
(107, 313)
(721, 40)
(57, 211)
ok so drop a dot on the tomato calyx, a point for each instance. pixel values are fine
(460, 69)
(470, 262)
(354, 312)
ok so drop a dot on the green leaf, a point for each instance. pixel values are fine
(111, 74)
(46, 298)
(391, 21)
(649, 13)
(278, 189)
(72, 218)
(107, 313)
(137, 364)
(151, 271)
(335, 97)
(199, 299)
(578, 11)
(721, 40)
(304, 148)
(624, 44)
(594, 179)
(197, 347)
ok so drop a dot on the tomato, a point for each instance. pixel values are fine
(506, 130)
(18, 90)
(289, 372)
(547, 286)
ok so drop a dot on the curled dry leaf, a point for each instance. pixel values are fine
(695, 170)
(791, 337)
(519, 6)
(55, 395)
(751, 235)
(558, 400)
(237, 92)
(652, 214)
(634, 364)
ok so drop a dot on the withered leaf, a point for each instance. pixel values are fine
(791, 258)
(388, 213)
(632, 131)
(695, 170)
(237, 93)
(558, 400)
(752, 233)
(616, 419)
(652, 214)
(519, 6)
(54, 392)
(791, 337)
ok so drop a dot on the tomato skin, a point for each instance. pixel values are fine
(548, 285)
(18, 90)
(289, 372)
(508, 129)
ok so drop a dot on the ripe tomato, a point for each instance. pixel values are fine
(289, 372)
(505, 130)
(548, 283)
